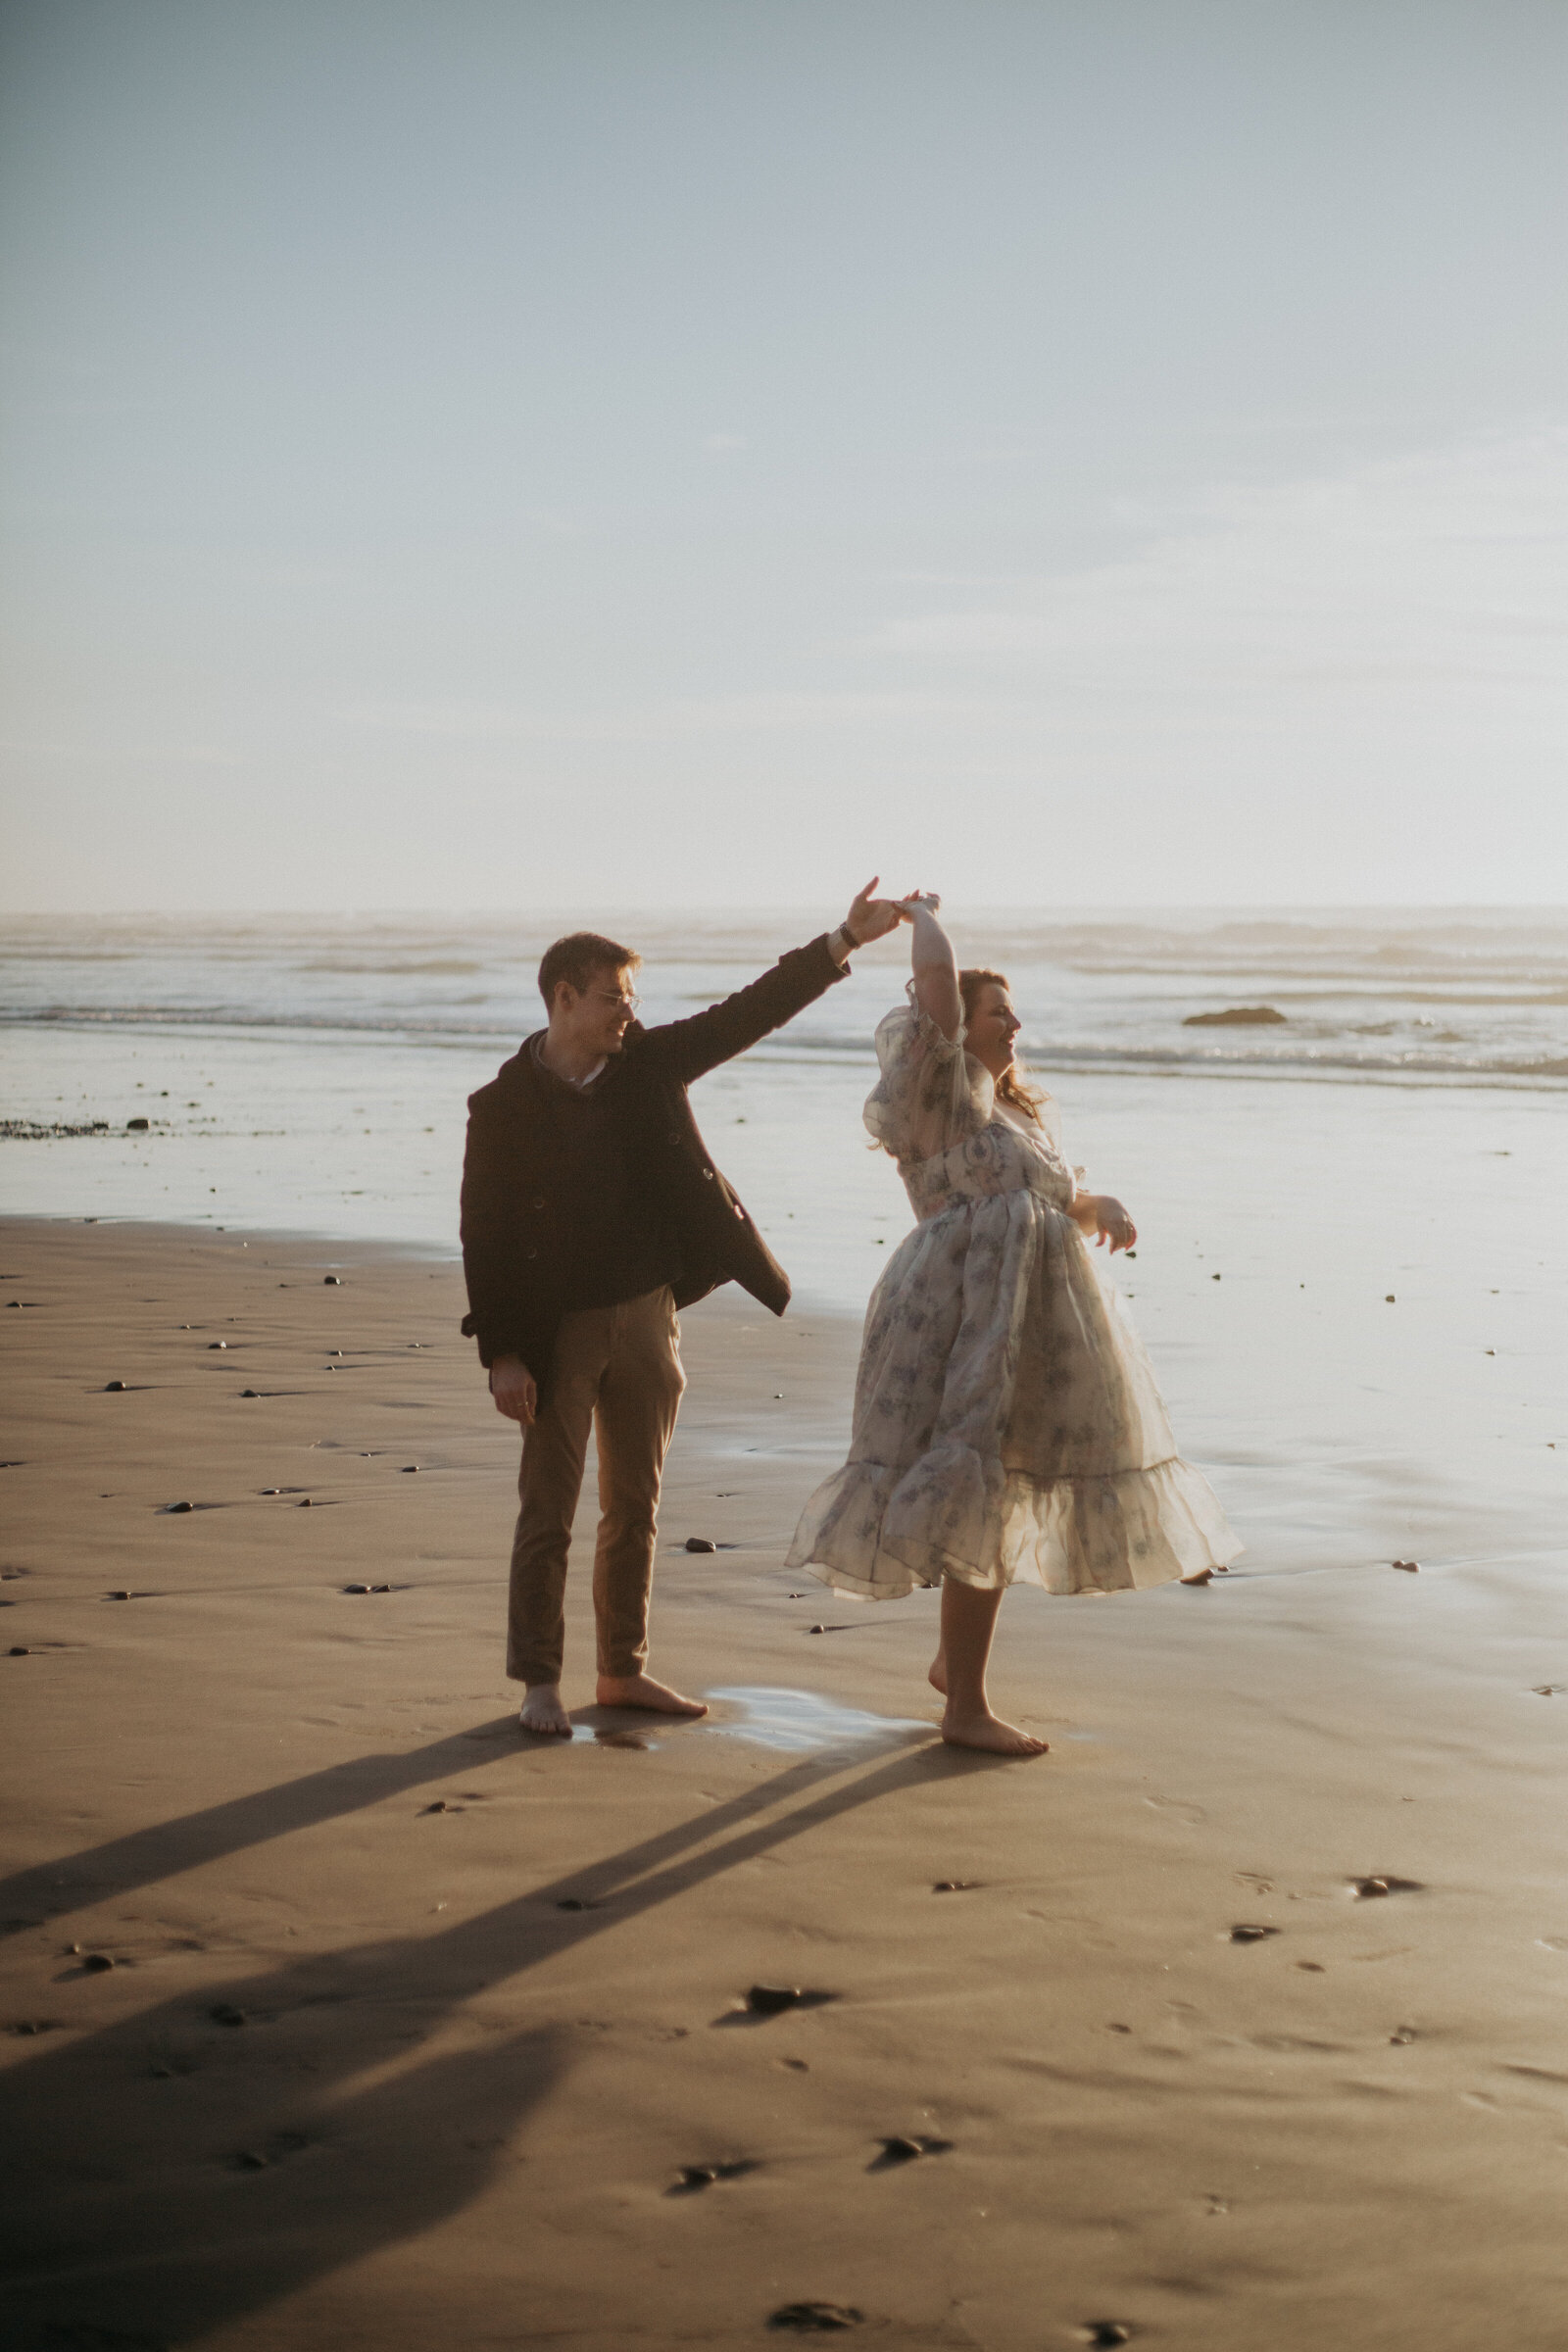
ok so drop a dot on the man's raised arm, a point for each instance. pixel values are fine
(705, 1040)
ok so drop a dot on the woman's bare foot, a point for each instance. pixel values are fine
(542, 1711)
(937, 1675)
(641, 1691)
(989, 1731)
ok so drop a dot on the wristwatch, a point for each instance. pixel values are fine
(839, 946)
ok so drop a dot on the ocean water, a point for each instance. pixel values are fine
(308, 1073)
(1348, 1270)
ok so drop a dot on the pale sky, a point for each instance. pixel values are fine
(697, 452)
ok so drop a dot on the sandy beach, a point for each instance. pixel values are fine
(1236, 2020)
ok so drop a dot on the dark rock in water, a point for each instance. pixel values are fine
(701, 1543)
(816, 2319)
(137, 1126)
(1235, 1017)
(332, 1281)
(18, 1651)
(96, 1964)
(1252, 1935)
(224, 2013)
(771, 2000)
(114, 1388)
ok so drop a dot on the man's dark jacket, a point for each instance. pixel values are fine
(519, 1212)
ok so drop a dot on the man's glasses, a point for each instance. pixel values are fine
(613, 996)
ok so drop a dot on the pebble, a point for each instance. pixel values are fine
(355, 1588)
(816, 2319)
(1410, 1567)
(1246, 1934)
(409, 1469)
(18, 1651)
(218, 1344)
(1106, 2331)
(332, 1282)
(137, 1126)
(954, 1885)
(173, 1509)
(770, 2000)
(96, 1964)
(114, 1388)
(224, 2013)
(701, 1543)
(120, 1593)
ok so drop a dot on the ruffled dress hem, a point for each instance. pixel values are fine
(1115, 1532)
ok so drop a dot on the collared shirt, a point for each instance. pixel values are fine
(624, 1247)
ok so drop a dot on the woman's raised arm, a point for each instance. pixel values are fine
(931, 959)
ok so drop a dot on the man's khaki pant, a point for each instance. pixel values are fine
(616, 1369)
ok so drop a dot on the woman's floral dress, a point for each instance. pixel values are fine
(1007, 1420)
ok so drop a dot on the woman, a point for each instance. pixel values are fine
(1006, 1421)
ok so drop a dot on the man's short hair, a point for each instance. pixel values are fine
(577, 958)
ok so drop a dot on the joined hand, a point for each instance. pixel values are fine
(871, 917)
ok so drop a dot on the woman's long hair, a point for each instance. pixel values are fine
(1010, 1089)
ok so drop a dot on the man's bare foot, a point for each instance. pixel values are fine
(542, 1711)
(937, 1674)
(989, 1731)
(641, 1691)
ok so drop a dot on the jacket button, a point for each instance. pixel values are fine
(531, 1254)
(536, 1205)
(707, 1175)
(740, 1212)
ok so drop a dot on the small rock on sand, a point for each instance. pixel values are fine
(114, 1388)
(701, 1543)
(18, 1650)
(816, 2319)
(1248, 1934)
(332, 1282)
(770, 2000)
(1410, 1567)
(224, 2013)
(96, 1964)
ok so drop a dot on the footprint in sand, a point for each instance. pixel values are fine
(1180, 1806)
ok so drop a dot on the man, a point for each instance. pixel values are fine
(591, 1212)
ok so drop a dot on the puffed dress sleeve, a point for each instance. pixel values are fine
(931, 1094)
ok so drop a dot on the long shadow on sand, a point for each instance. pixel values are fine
(172, 2173)
(51, 1889)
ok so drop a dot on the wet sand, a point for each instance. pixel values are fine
(419, 2033)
